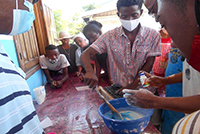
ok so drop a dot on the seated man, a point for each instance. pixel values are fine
(68, 50)
(52, 64)
(82, 43)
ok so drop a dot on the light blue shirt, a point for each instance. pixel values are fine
(17, 113)
(78, 55)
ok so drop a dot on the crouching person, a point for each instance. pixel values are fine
(53, 63)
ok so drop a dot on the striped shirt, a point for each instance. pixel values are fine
(17, 113)
(190, 124)
(126, 62)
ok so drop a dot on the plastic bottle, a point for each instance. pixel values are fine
(143, 80)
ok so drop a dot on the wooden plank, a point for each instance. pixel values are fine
(50, 24)
(31, 44)
(105, 94)
(40, 27)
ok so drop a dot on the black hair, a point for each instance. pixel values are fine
(128, 3)
(93, 26)
(50, 47)
(35, 1)
(96, 23)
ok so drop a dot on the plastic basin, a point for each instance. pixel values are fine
(134, 126)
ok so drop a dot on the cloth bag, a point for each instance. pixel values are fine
(39, 94)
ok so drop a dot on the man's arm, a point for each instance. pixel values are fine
(47, 74)
(174, 78)
(90, 76)
(179, 104)
(145, 99)
(98, 68)
(60, 82)
(79, 68)
(65, 73)
(157, 81)
(86, 57)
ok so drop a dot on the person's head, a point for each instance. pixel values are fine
(80, 41)
(178, 17)
(151, 6)
(21, 23)
(129, 12)
(52, 53)
(92, 31)
(64, 37)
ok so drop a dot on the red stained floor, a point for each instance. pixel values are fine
(75, 112)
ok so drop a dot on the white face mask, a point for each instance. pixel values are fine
(22, 19)
(54, 61)
(130, 25)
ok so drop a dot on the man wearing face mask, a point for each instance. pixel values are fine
(130, 47)
(54, 63)
(179, 18)
(18, 114)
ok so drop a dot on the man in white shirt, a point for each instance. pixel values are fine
(52, 64)
(82, 43)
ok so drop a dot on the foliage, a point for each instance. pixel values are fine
(60, 24)
(75, 24)
(89, 7)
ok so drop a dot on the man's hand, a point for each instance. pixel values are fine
(59, 84)
(120, 91)
(155, 81)
(54, 83)
(78, 73)
(91, 80)
(142, 98)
